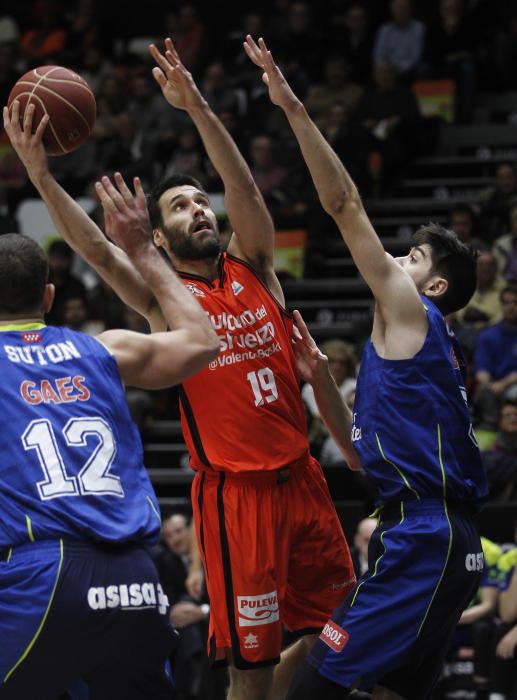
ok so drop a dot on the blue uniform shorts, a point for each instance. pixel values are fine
(393, 630)
(73, 610)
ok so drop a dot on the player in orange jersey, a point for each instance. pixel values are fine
(272, 546)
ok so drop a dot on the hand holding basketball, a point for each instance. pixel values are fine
(65, 97)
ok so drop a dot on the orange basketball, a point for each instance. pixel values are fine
(65, 97)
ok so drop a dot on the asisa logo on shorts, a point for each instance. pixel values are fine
(128, 596)
(257, 609)
(334, 636)
(475, 561)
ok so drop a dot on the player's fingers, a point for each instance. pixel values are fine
(159, 58)
(124, 190)
(252, 50)
(159, 77)
(304, 331)
(169, 45)
(110, 197)
(42, 126)
(28, 117)
(107, 203)
(296, 333)
(139, 193)
(15, 112)
(113, 193)
(7, 119)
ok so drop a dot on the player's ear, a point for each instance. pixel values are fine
(436, 287)
(48, 297)
(159, 239)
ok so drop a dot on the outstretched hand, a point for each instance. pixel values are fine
(311, 362)
(280, 92)
(28, 145)
(177, 85)
(126, 215)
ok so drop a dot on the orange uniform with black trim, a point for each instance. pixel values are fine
(273, 548)
(244, 412)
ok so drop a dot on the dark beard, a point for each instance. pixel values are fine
(191, 248)
(188, 249)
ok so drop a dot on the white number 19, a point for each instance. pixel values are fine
(263, 385)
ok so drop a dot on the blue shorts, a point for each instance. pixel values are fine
(393, 630)
(72, 610)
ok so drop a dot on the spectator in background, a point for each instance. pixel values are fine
(342, 363)
(463, 221)
(501, 459)
(401, 40)
(220, 94)
(495, 202)
(44, 41)
(95, 66)
(477, 625)
(388, 115)
(189, 154)
(450, 50)
(504, 667)
(484, 309)
(284, 200)
(496, 362)
(505, 249)
(76, 315)
(352, 37)
(190, 34)
(298, 42)
(172, 558)
(60, 260)
(335, 88)
(359, 551)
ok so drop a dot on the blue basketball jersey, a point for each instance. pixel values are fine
(412, 427)
(72, 459)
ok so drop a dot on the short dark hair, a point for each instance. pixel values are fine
(23, 274)
(153, 197)
(452, 260)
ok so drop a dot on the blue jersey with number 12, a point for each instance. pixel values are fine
(71, 459)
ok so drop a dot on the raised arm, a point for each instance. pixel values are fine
(313, 368)
(340, 198)
(254, 234)
(161, 359)
(74, 225)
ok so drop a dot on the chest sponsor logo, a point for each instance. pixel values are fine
(256, 610)
(247, 336)
(334, 636)
(131, 596)
(237, 287)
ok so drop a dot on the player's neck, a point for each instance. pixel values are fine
(206, 268)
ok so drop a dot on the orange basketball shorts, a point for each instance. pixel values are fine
(274, 555)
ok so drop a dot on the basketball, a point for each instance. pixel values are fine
(65, 97)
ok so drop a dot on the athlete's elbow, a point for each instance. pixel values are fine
(342, 202)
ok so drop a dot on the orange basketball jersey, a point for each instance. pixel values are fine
(244, 411)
